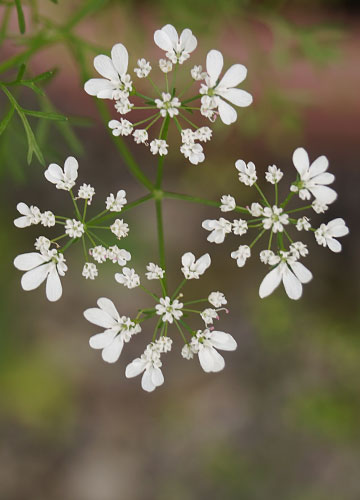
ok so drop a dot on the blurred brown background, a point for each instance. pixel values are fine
(281, 422)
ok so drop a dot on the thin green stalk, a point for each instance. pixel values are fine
(195, 301)
(161, 241)
(75, 205)
(144, 121)
(144, 96)
(287, 199)
(153, 122)
(192, 99)
(153, 295)
(175, 294)
(299, 209)
(270, 239)
(97, 238)
(58, 238)
(262, 194)
(257, 238)
(163, 136)
(187, 120)
(186, 326)
(276, 194)
(192, 311)
(84, 212)
(202, 201)
(84, 248)
(68, 244)
(133, 204)
(156, 88)
(181, 332)
(288, 236)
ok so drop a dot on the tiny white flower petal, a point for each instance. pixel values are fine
(134, 368)
(324, 194)
(211, 360)
(27, 261)
(292, 285)
(120, 58)
(214, 65)
(35, 277)
(102, 340)
(99, 87)
(71, 168)
(104, 66)
(238, 97)
(157, 376)
(227, 113)
(146, 381)
(111, 353)
(319, 166)
(108, 307)
(301, 160)
(99, 317)
(233, 76)
(53, 285)
(301, 272)
(224, 341)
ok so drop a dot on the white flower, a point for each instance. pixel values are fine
(89, 271)
(241, 254)
(275, 219)
(116, 81)
(188, 136)
(303, 224)
(187, 352)
(205, 343)
(193, 269)
(30, 215)
(150, 364)
(120, 228)
(299, 249)
(327, 233)
(247, 173)
(194, 152)
(292, 273)
(239, 227)
(225, 90)
(155, 272)
(118, 330)
(47, 219)
(318, 207)
(197, 73)
(159, 146)
(47, 265)
(63, 179)
(228, 203)
(123, 106)
(208, 315)
(143, 69)
(273, 174)
(208, 107)
(165, 65)
(42, 244)
(140, 136)
(164, 344)
(169, 310)
(256, 210)
(128, 278)
(122, 127)
(178, 49)
(168, 105)
(99, 253)
(119, 255)
(86, 192)
(219, 229)
(268, 257)
(116, 204)
(74, 228)
(313, 178)
(203, 134)
(217, 299)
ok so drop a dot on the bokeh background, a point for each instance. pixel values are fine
(281, 422)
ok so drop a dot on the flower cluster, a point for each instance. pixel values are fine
(168, 310)
(275, 219)
(49, 263)
(217, 95)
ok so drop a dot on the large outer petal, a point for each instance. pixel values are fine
(319, 166)
(301, 160)
(157, 376)
(323, 194)
(108, 306)
(337, 227)
(203, 263)
(111, 353)
(240, 165)
(99, 317)
(134, 368)
(71, 168)
(301, 272)
(188, 41)
(54, 173)
(27, 261)
(97, 86)
(101, 340)
(163, 41)
(211, 360)
(334, 245)
(22, 222)
(33, 279)
(233, 76)
(188, 259)
(325, 178)
(227, 113)
(146, 380)
(22, 208)
(214, 65)
(53, 284)
(224, 341)
(104, 66)
(120, 58)
(271, 281)
(238, 97)
(292, 285)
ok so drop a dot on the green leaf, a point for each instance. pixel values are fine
(43, 76)
(33, 87)
(6, 120)
(21, 18)
(45, 114)
(21, 72)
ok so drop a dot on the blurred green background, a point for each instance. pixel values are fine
(281, 422)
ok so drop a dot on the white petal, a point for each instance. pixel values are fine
(270, 282)
(54, 173)
(99, 318)
(319, 166)
(22, 222)
(163, 41)
(157, 376)
(120, 58)
(227, 113)
(171, 33)
(323, 194)
(301, 272)
(240, 165)
(325, 178)
(98, 85)
(203, 263)
(224, 341)
(234, 75)
(301, 160)
(101, 340)
(292, 285)
(188, 41)
(187, 259)
(53, 284)
(104, 66)
(135, 368)
(146, 381)
(214, 65)
(33, 279)
(71, 168)
(22, 208)
(27, 261)
(108, 306)
(111, 353)
(334, 245)
(238, 97)
(338, 228)
(211, 360)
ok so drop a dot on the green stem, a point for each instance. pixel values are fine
(299, 209)
(68, 244)
(262, 194)
(202, 201)
(84, 248)
(161, 241)
(287, 199)
(191, 99)
(75, 205)
(180, 331)
(156, 329)
(175, 294)
(153, 295)
(133, 204)
(195, 301)
(257, 238)
(270, 239)
(187, 120)
(276, 194)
